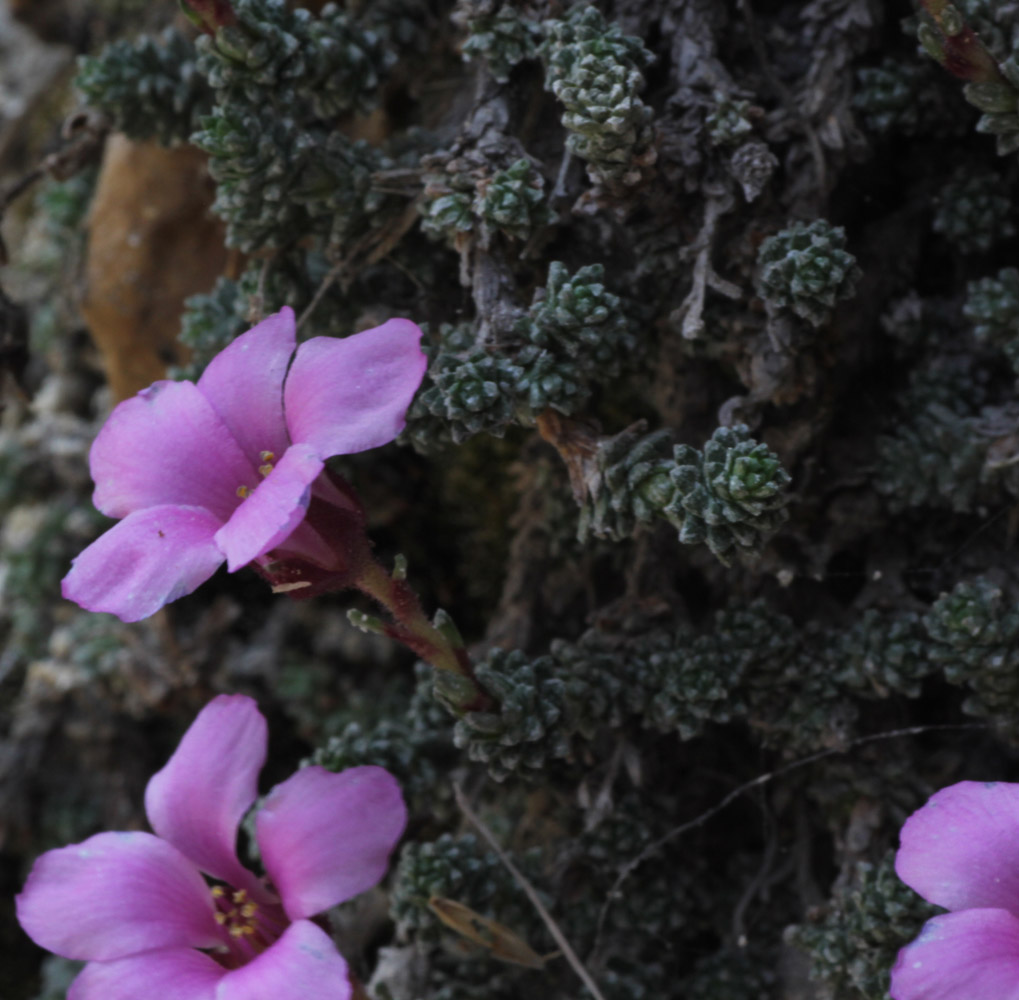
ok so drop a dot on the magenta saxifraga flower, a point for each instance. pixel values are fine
(137, 909)
(225, 469)
(961, 851)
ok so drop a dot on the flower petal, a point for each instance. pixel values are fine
(273, 510)
(244, 384)
(197, 800)
(147, 560)
(344, 396)
(167, 446)
(961, 849)
(173, 974)
(972, 954)
(303, 963)
(326, 837)
(114, 895)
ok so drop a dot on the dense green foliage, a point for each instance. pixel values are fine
(854, 944)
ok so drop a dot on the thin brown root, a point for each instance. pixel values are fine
(762, 779)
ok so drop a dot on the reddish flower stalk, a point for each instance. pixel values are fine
(343, 559)
(956, 46)
(336, 517)
(441, 648)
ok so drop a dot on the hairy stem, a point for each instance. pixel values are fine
(411, 627)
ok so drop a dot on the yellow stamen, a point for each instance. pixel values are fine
(243, 492)
(236, 912)
(264, 470)
(266, 456)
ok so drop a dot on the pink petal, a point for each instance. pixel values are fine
(197, 800)
(344, 396)
(970, 955)
(326, 837)
(173, 974)
(149, 559)
(244, 383)
(167, 446)
(303, 963)
(961, 849)
(273, 510)
(114, 895)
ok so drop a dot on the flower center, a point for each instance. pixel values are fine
(250, 927)
(267, 458)
(235, 912)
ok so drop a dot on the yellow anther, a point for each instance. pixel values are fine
(264, 470)
(248, 929)
(243, 492)
(249, 910)
(240, 896)
(218, 892)
(220, 918)
(237, 932)
(266, 456)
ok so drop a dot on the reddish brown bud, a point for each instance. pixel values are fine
(209, 15)
(957, 46)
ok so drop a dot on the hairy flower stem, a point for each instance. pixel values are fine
(439, 646)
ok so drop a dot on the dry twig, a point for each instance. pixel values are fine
(529, 890)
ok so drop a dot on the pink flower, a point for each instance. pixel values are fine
(961, 851)
(225, 470)
(135, 907)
